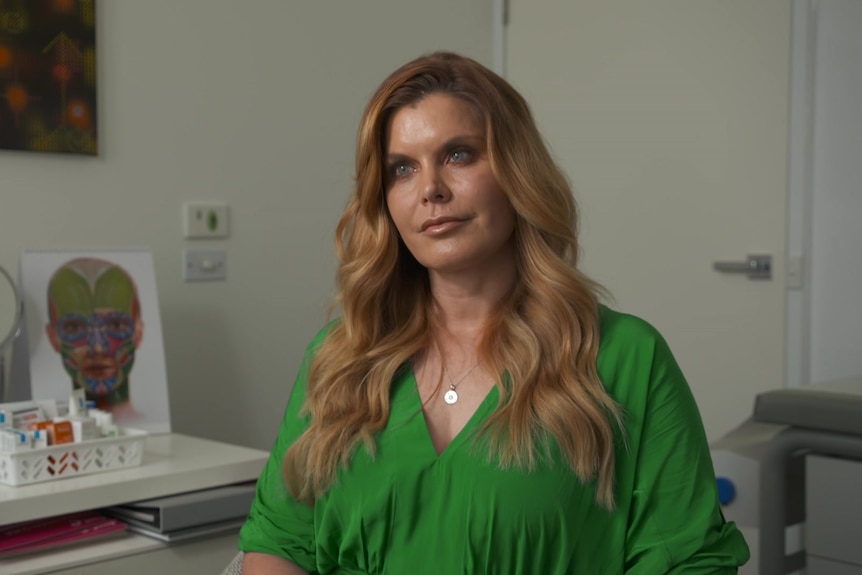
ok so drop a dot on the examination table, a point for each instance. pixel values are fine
(797, 464)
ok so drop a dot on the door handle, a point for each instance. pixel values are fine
(756, 267)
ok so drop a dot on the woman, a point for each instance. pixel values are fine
(475, 409)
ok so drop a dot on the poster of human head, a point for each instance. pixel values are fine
(93, 323)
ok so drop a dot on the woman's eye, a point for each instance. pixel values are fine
(461, 156)
(400, 170)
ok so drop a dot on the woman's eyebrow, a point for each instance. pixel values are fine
(463, 139)
(395, 158)
(460, 139)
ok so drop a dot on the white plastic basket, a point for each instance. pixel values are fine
(73, 459)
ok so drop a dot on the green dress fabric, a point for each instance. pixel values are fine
(410, 511)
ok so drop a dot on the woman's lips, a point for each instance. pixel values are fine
(436, 226)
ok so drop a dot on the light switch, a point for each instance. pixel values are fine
(204, 265)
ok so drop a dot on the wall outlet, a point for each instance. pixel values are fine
(205, 220)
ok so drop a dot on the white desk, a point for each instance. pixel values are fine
(172, 463)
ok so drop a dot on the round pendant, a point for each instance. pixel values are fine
(451, 397)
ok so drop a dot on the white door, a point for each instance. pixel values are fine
(671, 119)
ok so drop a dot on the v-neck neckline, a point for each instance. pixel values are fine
(462, 434)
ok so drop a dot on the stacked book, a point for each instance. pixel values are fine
(188, 515)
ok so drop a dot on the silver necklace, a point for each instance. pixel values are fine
(451, 396)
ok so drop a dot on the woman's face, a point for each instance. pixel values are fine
(441, 192)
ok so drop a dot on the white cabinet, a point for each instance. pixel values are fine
(172, 463)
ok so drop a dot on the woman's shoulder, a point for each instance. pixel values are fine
(632, 353)
(629, 340)
(618, 328)
(320, 337)
(311, 352)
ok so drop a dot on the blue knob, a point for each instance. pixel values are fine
(726, 490)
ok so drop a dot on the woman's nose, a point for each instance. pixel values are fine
(434, 188)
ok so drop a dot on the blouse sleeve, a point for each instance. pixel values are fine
(675, 524)
(277, 524)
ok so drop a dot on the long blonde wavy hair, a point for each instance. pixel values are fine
(544, 336)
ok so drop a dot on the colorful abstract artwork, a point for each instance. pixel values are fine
(48, 76)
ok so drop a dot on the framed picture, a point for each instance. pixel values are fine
(92, 321)
(48, 76)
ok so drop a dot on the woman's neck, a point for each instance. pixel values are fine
(464, 302)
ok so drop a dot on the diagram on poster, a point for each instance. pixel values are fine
(92, 322)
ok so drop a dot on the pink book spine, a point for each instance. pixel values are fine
(106, 528)
(23, 534)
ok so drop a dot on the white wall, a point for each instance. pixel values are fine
(836, 193)
(825, 200)
(254, 103)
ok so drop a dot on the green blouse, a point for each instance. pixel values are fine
(410, 511)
